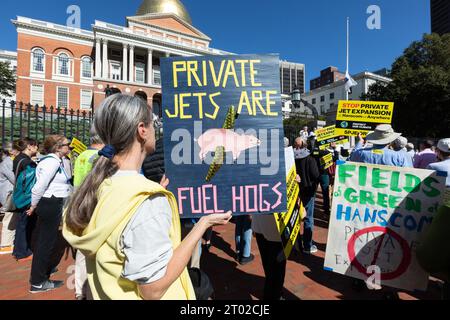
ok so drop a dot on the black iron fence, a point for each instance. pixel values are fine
(19, 120)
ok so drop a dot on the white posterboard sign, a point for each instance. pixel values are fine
(379, 216)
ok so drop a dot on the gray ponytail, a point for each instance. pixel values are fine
(116, 122)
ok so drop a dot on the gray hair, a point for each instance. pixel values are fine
(94, 137)
(116, 122)
(400, 143)
(117, 116)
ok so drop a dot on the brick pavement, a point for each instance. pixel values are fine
(305, 277)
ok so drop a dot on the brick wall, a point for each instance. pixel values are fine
(51, 47)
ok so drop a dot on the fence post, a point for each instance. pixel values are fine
(43, 126)
(21, 118)
(71, 123)
(28, 119)
(65, 122)
(78, 122)
(51, 119)
(12, 103)
(3, 122)
(36, 125)
(84, 126)
(58, 114)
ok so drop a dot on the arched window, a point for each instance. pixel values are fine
(86, 67)
(63, 64)
(38, 60)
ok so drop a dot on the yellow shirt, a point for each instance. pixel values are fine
(118, 200)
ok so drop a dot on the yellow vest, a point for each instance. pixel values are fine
(118, 200)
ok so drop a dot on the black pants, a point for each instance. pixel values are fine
(46, 257)
(274, 264)
(23, 245)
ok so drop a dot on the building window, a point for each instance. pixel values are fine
(63, 64)
(116, 71)
(86, 68)
(37, 94)
(332, 96)
(322, 110)
(322, 99)
(157, 77)
(116, 53)
(62, 96)
(86, 99)
(140, 72)
(314, 101)
(38, 60)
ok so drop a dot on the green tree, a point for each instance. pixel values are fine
(420, 88)
(7, 80)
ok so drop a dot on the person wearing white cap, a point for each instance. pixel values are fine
(443, 154)
(433, 254)
(380, 153)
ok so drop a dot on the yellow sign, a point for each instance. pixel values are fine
(78, 148)
(288, 222)
(326, 136)
(327, 161)
(325, 133)
(354, 117)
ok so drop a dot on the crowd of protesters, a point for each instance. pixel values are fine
(111, 206)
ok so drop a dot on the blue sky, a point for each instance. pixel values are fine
(309, 32)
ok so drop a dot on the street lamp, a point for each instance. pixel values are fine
(296, 97)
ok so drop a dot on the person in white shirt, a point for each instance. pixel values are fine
(304, 133)
(52, 188)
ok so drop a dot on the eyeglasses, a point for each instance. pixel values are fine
(65, 145)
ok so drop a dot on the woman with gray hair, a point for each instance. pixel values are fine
(128, 227)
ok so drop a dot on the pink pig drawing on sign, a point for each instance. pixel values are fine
(231, 141)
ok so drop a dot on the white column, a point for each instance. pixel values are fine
(150, 67)
(105, 63)
(125, 63)
(98, 59)
(131, 79)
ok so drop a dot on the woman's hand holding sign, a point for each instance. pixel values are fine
(216, 219)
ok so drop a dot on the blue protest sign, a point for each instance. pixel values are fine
(223, 134)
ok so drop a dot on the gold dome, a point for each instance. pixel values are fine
(164, 6)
